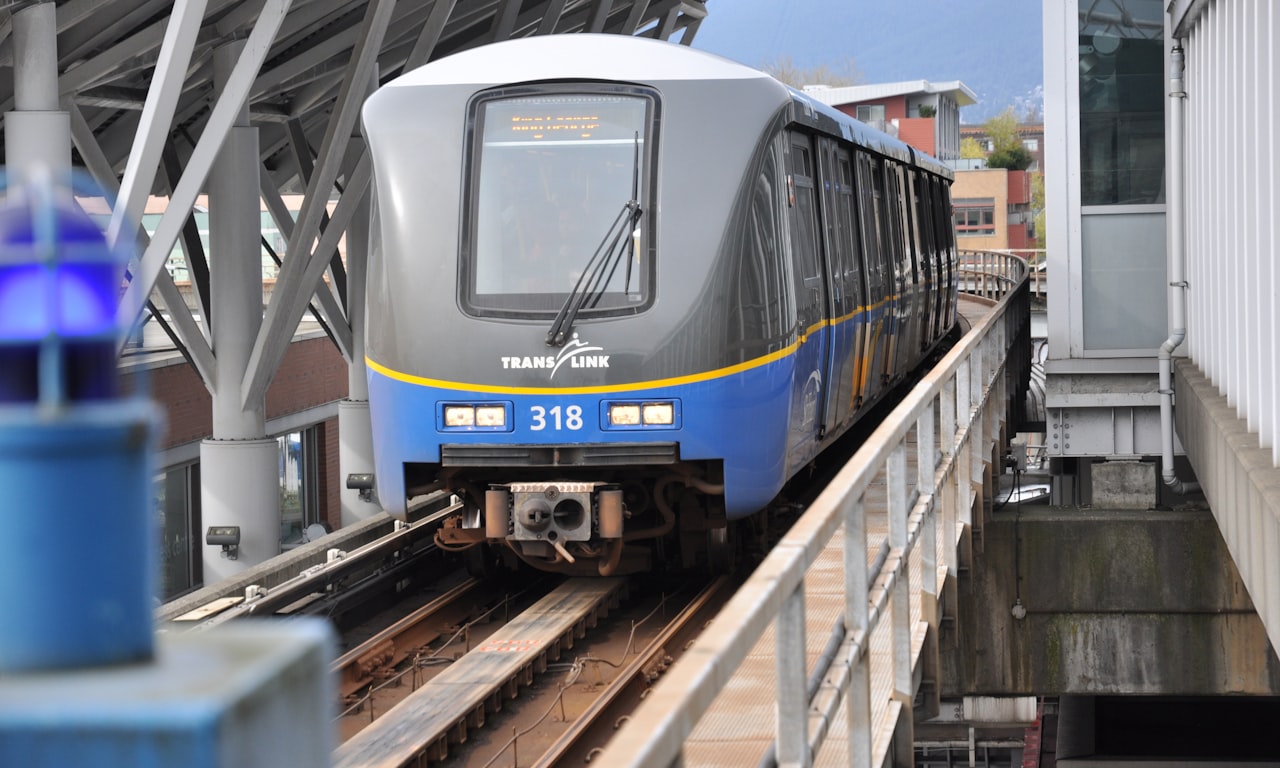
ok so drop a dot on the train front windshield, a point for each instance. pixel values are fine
(558, 204)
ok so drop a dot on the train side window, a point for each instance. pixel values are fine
(920, 196)
(804, 236)
(869, 194)
(845, 212)
(761, 310)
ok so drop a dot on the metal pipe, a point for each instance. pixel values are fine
(1177, 267)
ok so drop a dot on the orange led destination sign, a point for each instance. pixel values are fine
(541, 125)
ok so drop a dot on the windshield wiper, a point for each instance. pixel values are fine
(600, 268)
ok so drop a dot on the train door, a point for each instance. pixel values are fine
(923, 226)
(893, 244)
(946, 252)
(808, 386)
(878, 302)
(844, 289)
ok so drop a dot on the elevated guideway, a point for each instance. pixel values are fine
(820, 655)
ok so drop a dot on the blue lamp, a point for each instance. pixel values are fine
(77, 555)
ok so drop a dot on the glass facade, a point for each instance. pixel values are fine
(1122, 177)
(1122, 103)
(299, 500)
(1123, 280)
(177, 507)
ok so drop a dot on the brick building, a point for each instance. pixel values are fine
(923, 114)
(992, 209)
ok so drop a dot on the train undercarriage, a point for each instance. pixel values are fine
(589, 521)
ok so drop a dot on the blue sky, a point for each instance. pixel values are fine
(993, 46)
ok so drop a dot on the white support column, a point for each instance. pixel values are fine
(37, 134)
(240, 474)
(355, 432)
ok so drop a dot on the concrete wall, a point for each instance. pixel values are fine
(1134, 602)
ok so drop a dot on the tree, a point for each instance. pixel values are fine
(1037, 207)
(1013, 158)
(837, 75)
(970, 149)
(1008, 151)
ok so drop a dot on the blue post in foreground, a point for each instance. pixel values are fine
(75, 565)
(84, 678)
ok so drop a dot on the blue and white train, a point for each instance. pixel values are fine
(622, 291)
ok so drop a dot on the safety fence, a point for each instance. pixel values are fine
(951, 420)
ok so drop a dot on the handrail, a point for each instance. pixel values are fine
(982, 273)
(955, 414)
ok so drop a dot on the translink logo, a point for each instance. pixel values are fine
(575, 354)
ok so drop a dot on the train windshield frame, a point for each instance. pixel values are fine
(551, 169)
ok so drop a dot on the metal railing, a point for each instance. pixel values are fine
(976, 267)
(954, 416)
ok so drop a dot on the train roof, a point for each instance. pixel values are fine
(810, 111)
(638, 59)
(587, 56)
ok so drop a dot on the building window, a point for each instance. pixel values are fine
(1122, 107)
(177, 505)
(299, 497)
(1031, 145)
(871, 114)
(975, 216)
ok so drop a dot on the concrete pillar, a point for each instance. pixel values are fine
(37, 135)
(239, 465)
(355, 431)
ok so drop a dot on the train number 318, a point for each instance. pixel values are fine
(556, 417)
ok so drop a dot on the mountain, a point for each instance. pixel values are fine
(994, 47)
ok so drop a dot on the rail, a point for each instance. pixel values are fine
(978, 268)
(955, 415)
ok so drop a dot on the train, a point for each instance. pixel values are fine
(622, 291)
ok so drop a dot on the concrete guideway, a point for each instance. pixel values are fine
(955, 418)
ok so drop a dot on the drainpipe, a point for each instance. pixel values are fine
(1177, 268)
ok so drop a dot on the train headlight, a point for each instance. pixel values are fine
(474, 417)
(659, 414)
(624, 415)
(491, 416)
(459, 416)
(638, 415)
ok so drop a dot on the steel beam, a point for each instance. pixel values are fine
(326, 306)
(203, 156)
(550, 17)
(430, 36)
(298, 278)
(260, 373)
(634, 17)
(157, 117)
(302, 158)
(192, 247)
(599, 15)
(188, 336)
(505, 20)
